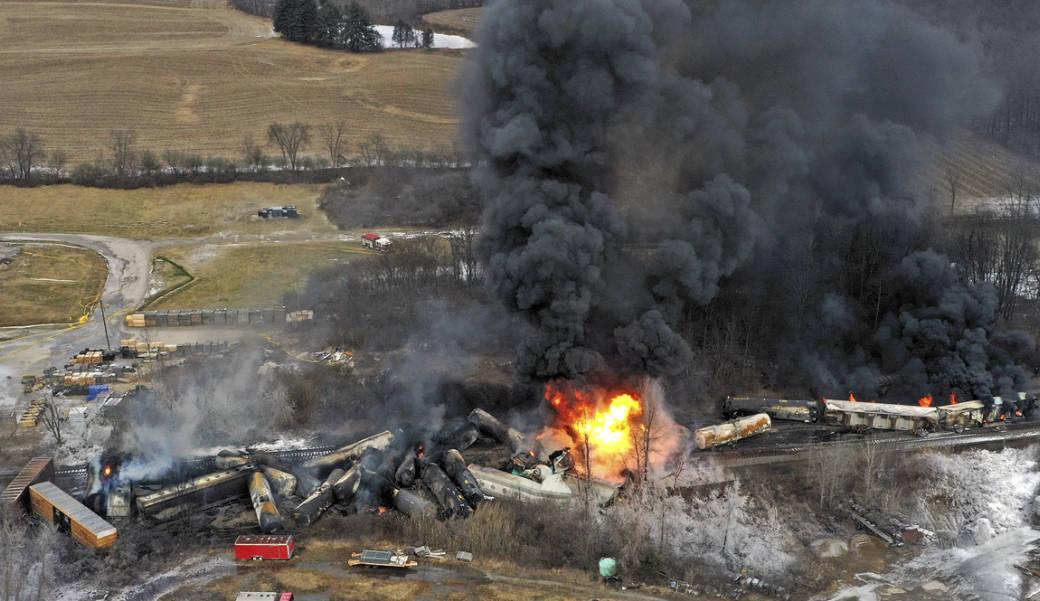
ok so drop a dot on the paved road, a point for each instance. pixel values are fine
(30, 349)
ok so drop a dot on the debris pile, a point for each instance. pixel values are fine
(378, 473)
(894, 530)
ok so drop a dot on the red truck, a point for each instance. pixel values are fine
(264, 546)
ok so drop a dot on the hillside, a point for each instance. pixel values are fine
(200, 79)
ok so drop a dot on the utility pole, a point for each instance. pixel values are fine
(104, 322)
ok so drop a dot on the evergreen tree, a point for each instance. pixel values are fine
(427, 38)
(358, 33)
(404, 35)
(308, 22)
(398, 35)
(282, 16)
(330, 25)
(302, 22)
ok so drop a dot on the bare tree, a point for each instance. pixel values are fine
(253, 156)
(463, 255)
(58, 161)
(828, 470)
(290, 140)
(53, 419)
(332, 136)
(25, 559)
(374, 149)
(25, 150)
(122, 143)
(953, 183)
(1000, 247)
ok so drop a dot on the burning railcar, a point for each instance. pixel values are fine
(880, 416)
(201, 492)
(778, 409)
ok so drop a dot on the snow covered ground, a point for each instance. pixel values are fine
(985, 512)
(440, 40)
(197, 570)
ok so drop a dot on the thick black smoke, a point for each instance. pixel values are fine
(643, 157)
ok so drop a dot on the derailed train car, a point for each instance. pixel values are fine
(68, 515)
(908, 418)
(711, 437)
(798, 410)
(880, 416)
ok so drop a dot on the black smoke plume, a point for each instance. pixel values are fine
(644, 160)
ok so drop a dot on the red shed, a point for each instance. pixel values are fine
(264, 546)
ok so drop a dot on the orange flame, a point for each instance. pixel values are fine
(953, 398)
(107, 471)
(925, 401)
(604, 419)
(852, 397)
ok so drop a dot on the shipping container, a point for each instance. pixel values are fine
(15, 498)
(264, 546)
(256, 596)
(69, 515)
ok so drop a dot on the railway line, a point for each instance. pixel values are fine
(789, 444)
(796, 443)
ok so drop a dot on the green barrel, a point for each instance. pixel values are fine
(607, 567)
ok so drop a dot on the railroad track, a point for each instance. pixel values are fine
(789, 452)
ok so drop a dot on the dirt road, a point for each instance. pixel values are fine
(30, 349)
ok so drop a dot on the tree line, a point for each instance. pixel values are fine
(325, 25)
(386, 10)
(289, 147)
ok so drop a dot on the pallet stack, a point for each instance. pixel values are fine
(135, 320)
(31, 417)
(89, 358)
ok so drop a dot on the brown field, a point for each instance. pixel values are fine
(193, 78)
(247, 276)
(50, 283)
(986, 170)
(461, 21)
(176, 211)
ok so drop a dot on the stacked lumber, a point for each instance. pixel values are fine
(31, 417)
(89, 358)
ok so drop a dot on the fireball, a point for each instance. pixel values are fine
(600, 421)
(609, 429)
(925, 401)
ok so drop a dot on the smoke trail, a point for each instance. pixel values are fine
(641, 157)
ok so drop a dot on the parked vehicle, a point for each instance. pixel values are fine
(288, 212)
(375, 242)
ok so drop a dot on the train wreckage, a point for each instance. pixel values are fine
(381, 471)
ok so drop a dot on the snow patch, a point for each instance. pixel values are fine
(440, 40)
